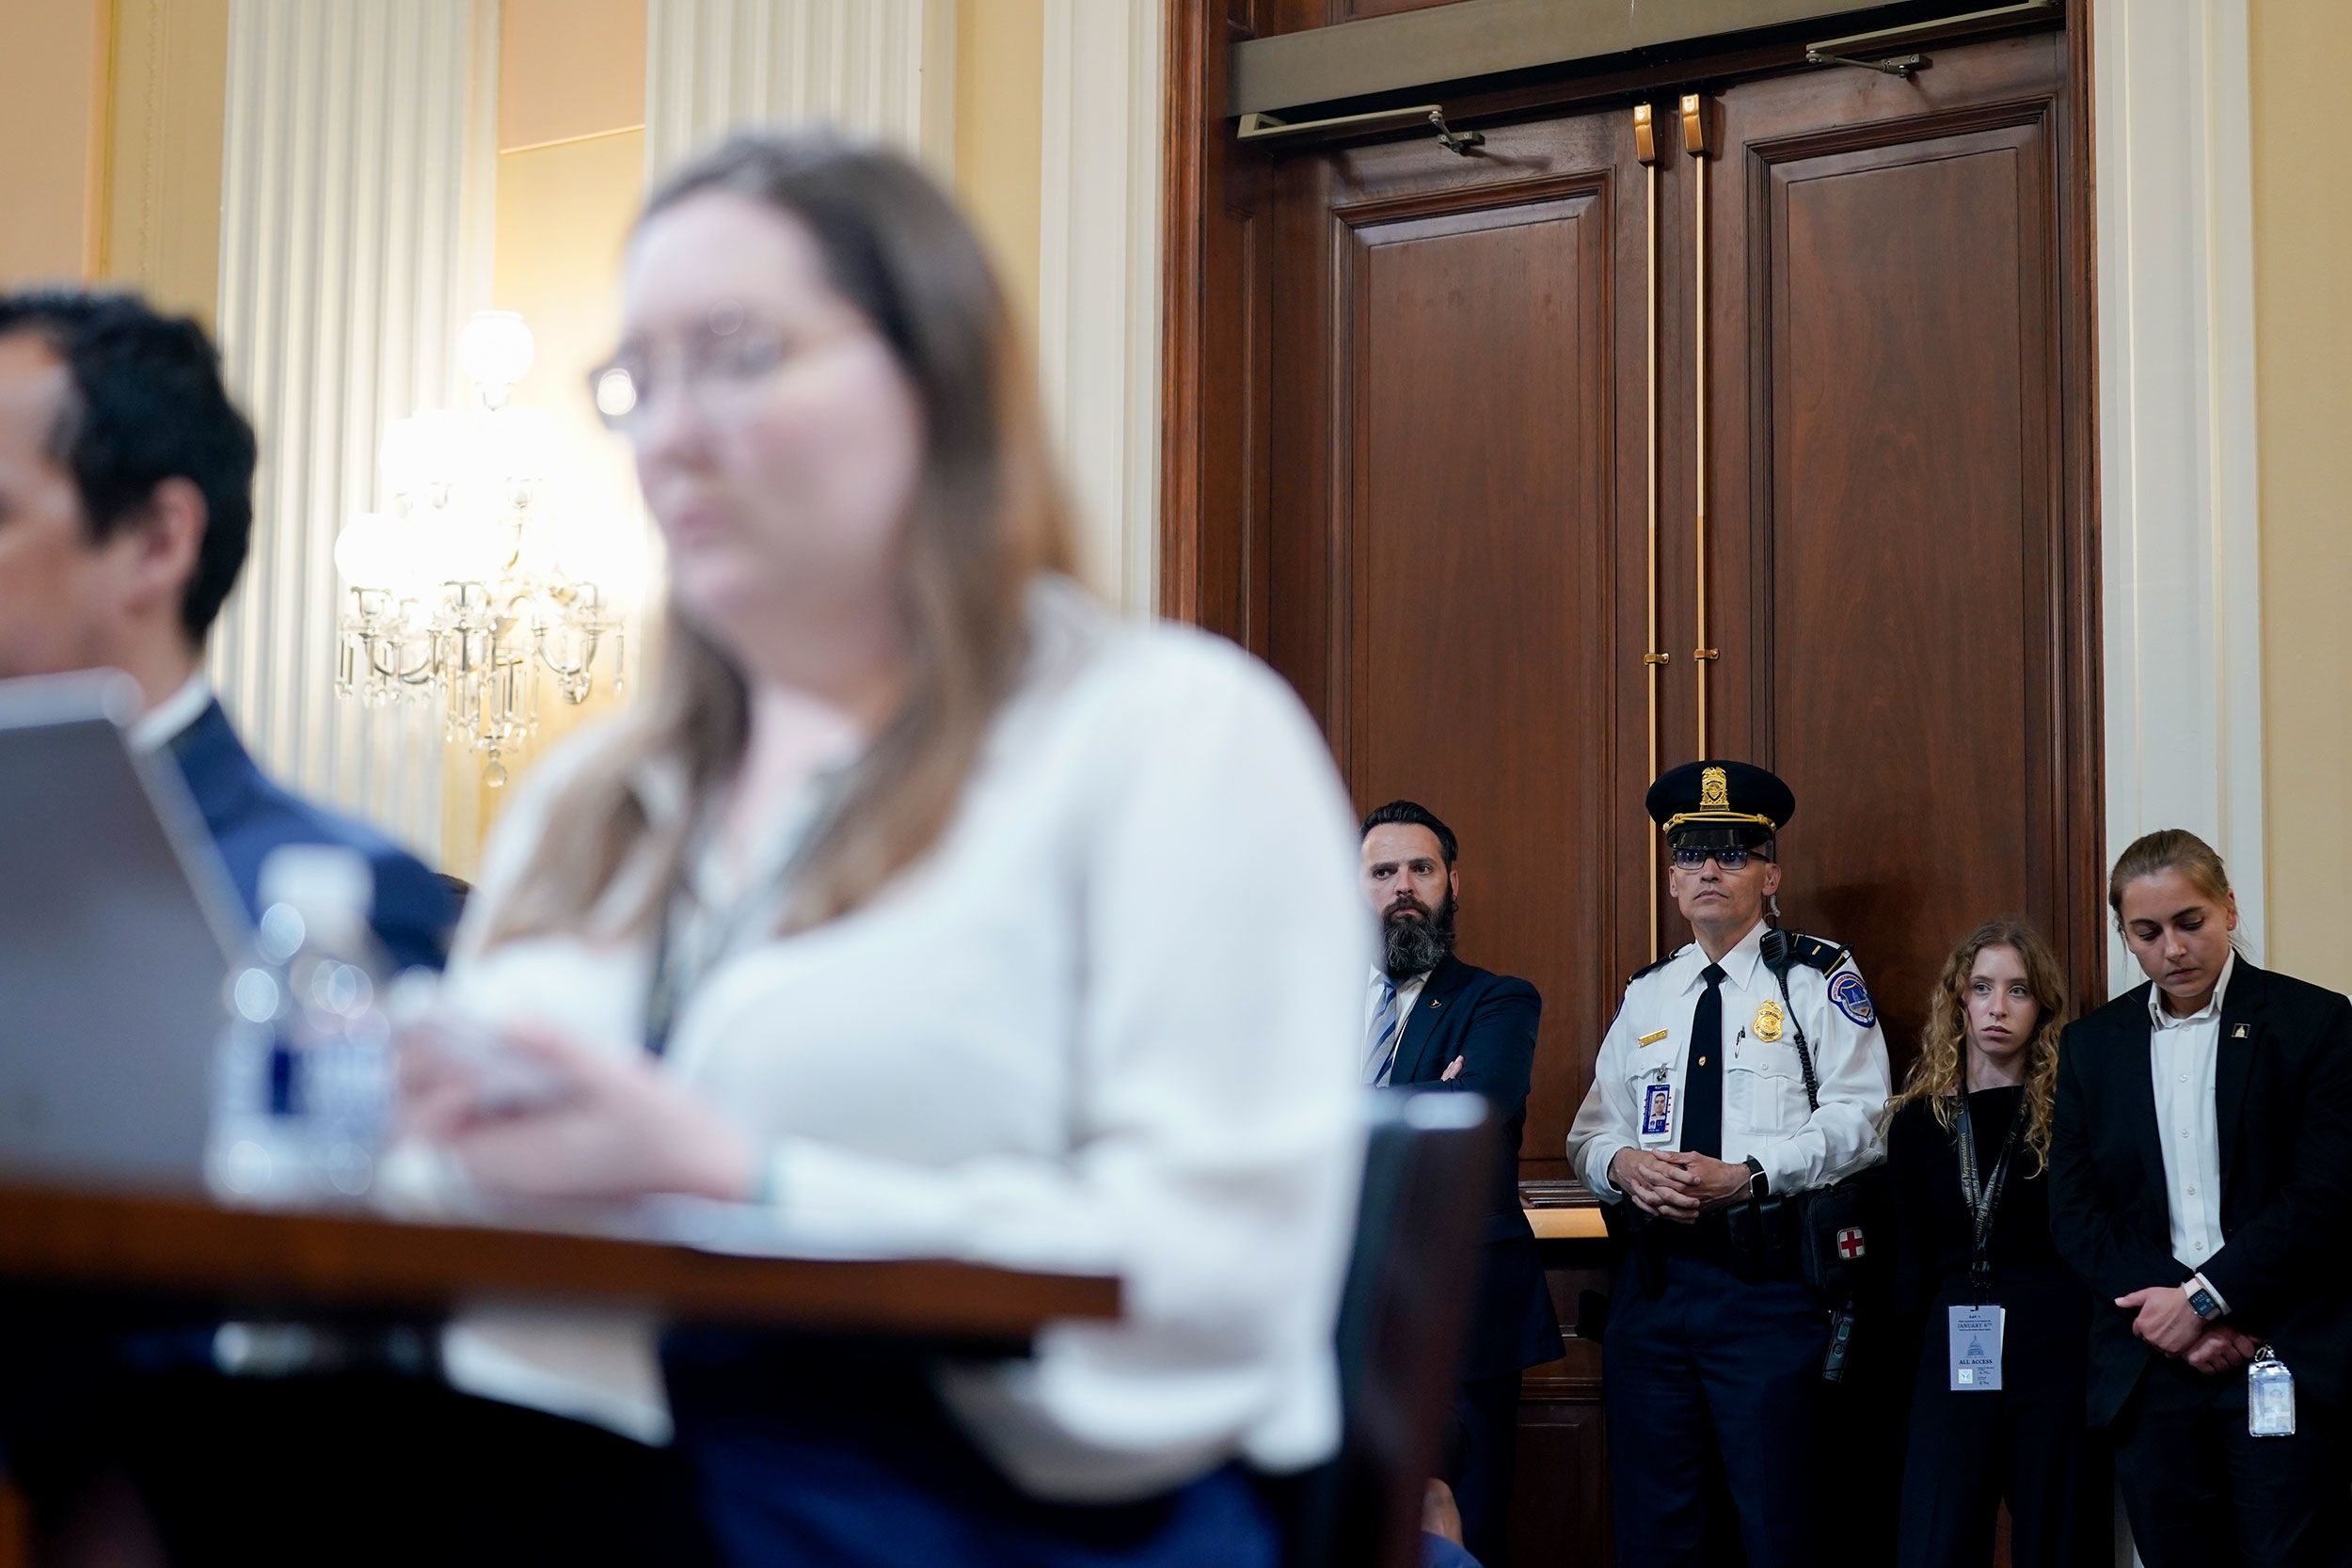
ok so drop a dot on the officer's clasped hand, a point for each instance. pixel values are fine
(1675, 1185)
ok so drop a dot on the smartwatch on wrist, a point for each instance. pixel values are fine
(2200, 1298)
(1758, 1186)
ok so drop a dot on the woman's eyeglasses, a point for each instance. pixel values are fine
(723, 371)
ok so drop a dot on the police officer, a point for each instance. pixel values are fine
(1744, 1070)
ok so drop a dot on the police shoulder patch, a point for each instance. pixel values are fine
(1852, 997)
(1655, 965)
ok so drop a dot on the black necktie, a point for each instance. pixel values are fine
(1703, 1115)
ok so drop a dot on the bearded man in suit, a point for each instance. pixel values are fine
(1433, 1021)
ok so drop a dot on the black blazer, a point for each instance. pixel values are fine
(2284, 1110)
(1489, 1022)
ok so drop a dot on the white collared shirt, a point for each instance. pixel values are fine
(1407, 996)
(164, 723)
(2183, 1059)
(1764, 1111)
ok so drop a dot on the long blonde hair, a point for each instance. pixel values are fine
(987, 516)
(1935, 1073)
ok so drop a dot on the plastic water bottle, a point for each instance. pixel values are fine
(304, 1090)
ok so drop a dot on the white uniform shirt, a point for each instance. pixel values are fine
(2183, 1058)
(1053, 1040)
(1764, 1111)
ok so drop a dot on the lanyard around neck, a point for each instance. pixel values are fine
(1982, 1203)
(686, 951)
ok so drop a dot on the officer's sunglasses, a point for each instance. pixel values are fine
(1730, 857)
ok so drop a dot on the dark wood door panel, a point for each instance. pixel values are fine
(1444, 541)
(1911, 376)
(1475, 545)
(1903, 561)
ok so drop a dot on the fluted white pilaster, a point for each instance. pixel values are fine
(881, 66)
(2179, 538)
(1099, 306)
(358, 151)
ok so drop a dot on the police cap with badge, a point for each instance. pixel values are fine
(1720, 805)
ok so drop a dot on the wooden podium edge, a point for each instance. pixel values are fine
(80, 1239)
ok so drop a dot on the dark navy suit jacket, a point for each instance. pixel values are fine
(1489, 1021)
(249, 816)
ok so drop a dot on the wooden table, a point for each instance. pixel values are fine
(311, 1265)
(294, 1262)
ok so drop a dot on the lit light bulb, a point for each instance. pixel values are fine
(607, 550)
(365, 551)
(388, 555)
(425, 451)
(459, 547)
(495, 350)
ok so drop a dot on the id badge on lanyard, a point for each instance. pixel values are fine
(2269, 1396)
(1975, 1346)
(1656, 1128)
(1974, 1331)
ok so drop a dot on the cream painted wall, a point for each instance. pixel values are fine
(570, 68)
(53, 123)
(2299, 52)
(1000, 92)
(169, 86)
(563, 212)
(569, 180)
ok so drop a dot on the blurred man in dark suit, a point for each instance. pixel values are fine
(1434, 1021)
(126, 504)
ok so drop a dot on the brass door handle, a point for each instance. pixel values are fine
(1645, 148)
(1694, 141)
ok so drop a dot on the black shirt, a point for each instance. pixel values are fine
(1933, 1238)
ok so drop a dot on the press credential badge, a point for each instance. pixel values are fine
(1975, 1347)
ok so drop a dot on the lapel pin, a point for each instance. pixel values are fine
(1435, 1003)
(2238, 1033)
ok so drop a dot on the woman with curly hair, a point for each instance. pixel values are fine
(1997, 1406)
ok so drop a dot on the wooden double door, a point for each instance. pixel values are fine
(1549, 466)
(1764, 433)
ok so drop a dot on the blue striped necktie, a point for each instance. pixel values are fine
(1380, 1053)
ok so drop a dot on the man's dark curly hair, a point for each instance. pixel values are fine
(147, 404)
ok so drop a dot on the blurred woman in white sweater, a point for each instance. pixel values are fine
(923, 895)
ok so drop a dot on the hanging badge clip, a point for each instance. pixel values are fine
(2269, 1396)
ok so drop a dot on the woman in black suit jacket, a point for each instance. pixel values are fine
(1991, 1046)
(2202, 1166)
